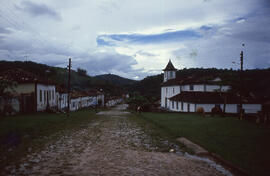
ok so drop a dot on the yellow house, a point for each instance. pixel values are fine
(34, 93)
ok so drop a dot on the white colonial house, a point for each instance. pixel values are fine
(32, 92)
(189, 94)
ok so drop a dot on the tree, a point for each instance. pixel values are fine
(81, 72)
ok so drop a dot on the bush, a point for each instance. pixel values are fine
(136, 100)
(200, 110)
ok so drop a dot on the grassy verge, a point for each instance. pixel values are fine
(26, 133)
(160, 138)
(240, 142)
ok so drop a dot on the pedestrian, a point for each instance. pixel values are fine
(139, 109)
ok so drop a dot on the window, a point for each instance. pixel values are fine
(171, 74)
(45, 96)
(173, 104)
(173, 90)
(40, 95)
(166, 90)
(53, 94)
(191, 87)
(49, 95)
(182, 106)
(177, 107)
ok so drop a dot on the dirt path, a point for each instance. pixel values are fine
(112, 145)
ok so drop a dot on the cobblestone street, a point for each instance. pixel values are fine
(111, 145)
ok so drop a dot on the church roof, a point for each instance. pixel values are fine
(169, 67)
(191, 80)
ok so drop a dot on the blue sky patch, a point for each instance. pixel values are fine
(174, 36)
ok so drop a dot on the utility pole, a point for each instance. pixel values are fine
(241, 83)
(69, 66)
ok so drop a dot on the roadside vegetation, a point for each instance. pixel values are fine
(240, 142)
(21, 134)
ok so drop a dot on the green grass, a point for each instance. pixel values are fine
(21, 132)
(242, 143)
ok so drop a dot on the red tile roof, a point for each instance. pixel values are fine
(190, 81)
(22, 76)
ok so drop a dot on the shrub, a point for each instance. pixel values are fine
(200, 111)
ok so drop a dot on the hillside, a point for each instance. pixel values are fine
(115, 79)
(59, 75)
(148, 87)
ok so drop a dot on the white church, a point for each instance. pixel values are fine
(189, 94)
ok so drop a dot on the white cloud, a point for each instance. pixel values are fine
(228, 24)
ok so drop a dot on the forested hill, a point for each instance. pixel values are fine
(79, 78)
(256, 81)
(115, 79)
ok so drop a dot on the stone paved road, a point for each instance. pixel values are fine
(111, 145)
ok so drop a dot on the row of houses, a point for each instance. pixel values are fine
(31, 93)
(113, 101)
(192, 93)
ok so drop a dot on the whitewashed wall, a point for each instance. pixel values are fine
(167, 75)
(168, 92)
(212, 88)
(23, 88)
(113, 102)
(185, 87)
(225, 88)
(230, 108)
(252, 108)
(74, 104)
(205, 88)
(61, 100)
(42, 103)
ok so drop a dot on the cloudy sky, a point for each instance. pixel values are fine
(135, 39)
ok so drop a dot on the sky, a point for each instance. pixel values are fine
(135, 39)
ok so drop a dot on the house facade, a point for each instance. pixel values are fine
(45, 96)
(190, 94)
(32, 92)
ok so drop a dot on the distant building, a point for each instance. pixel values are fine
(32, 92)
(190, 93)
(86, 99)
(112, 101)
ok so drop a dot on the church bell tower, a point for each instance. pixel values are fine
(169, 72)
